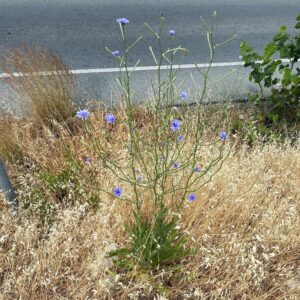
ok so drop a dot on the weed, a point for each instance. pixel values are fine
(65, 185)
(158, 161)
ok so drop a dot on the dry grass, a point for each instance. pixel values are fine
(245, 226)
(48, 98)
(9, 147)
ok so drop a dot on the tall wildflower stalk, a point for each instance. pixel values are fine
(161, 162)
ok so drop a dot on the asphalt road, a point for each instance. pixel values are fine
(79, 30)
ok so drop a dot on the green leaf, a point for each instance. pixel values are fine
(245, 46)
(295, 79)
(270, 50)
(282, 29)
(286, 77)
(298, 44)
(297, 25)
(284, 52)
(281, 36)
(274, 117)
(298, 18)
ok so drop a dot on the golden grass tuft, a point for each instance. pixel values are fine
(48, 98)
(9, 147)
(245, 227)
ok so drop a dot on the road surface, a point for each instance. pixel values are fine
(79, 30)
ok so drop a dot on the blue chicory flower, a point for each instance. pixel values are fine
(196, 169)
(175, 125)
(115, 53)
(83, 114)
(139, 178)
(123, 21)
(88, 160)
(176, 165)
(110, 118)
(183, 95)
(172, 32)
(192, 197)
(118, 192)
(223, 135)
(180, 138)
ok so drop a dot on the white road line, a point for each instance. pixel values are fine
(131, 69)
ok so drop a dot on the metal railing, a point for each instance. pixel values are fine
(7, 189)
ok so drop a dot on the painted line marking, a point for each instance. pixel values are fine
(130, 69)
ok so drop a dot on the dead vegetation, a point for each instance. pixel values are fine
(29, 74)
(245, 224)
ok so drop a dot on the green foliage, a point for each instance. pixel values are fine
(253, 130)
(53, 189)
(65, 184)
(37, 203)
(153, 244)
(283, 79)
(93, 200)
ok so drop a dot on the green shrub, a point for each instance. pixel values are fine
(285, 87)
